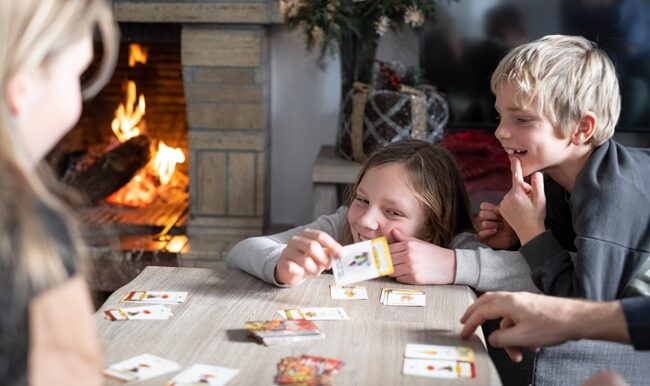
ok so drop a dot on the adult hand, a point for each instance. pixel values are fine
(492, 229)
(524, 206)
(419, 262)
(306, 255)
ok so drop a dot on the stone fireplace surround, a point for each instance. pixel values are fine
(225, 60)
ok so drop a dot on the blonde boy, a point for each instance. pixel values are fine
(584, 227)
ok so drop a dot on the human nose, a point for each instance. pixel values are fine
(502, 131)
(368, 220)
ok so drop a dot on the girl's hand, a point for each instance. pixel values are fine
(492, 229)
(524, 206)
(306, 255)
(419, 262)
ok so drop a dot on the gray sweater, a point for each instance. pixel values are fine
(476, 265)
(598, 236)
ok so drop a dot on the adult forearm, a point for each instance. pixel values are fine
(600, 321)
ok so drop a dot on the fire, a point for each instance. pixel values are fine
(128, 115)
(128, 123)
(137, 54)
(165, 161)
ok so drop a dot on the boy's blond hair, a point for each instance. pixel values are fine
(564, 77)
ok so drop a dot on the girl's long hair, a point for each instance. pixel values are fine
(33, 32)
(434, 178)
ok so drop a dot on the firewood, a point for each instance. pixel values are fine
(113, 169)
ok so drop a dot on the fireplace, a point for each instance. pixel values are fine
(206, 98)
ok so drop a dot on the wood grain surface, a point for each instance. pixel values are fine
(209, 328)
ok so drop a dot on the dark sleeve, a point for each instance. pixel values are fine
(637, 315)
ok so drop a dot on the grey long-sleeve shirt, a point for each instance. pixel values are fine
(476, 265)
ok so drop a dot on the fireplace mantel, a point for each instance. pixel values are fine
(197, 11)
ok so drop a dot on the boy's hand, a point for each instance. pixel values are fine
(524, 206)
(306, 255)
(492, 229)
(419, 262)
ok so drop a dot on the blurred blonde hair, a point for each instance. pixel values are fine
(433, 176)
(33, 32)
(564, 77)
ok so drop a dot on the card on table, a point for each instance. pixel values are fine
(155, 297)
(436, 368)
(348, 292)
(402, 297)
(148, 312)
(284, 331)
(315, 313)
(306, 370)
(200, 374)
(362, 261)
(431, 351)
(141, 367)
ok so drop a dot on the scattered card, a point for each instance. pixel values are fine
(348, 292)
(149, 312)
(431, 351)
(307, 370)
(284, 331)
(315, 313)
(362, 261)
(402, 297)
(142, 367)
(200, 374)
(435, 368)
(155, 297)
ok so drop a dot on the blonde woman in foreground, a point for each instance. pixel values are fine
(46, 329)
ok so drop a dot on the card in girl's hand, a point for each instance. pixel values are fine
(164, 297)
(362, 261)
(348, 292)
(315, 313)
(148, 312)
(200, 374)
(142, 367)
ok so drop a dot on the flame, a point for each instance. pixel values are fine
(137, 54)
(128, 116)
(165, 161)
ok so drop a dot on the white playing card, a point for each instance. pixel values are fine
(142, 367)
(200, 374)
(362, 261)
(430, 351)
(402, 297)
(148, 312)
(348, 292)
(315, 313)
(155, 297)
(438, 368)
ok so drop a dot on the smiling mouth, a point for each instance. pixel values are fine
(513, 151)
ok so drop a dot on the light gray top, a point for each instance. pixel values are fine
(208, 328)
(477, 265)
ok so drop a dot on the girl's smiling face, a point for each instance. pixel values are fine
(384, 201)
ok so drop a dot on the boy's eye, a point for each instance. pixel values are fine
(361, 200)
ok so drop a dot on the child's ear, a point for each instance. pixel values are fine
(19, 92)
(585, 129)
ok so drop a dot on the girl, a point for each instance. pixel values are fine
(412, 193)
(46, 328)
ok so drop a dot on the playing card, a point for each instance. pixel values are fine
(430, 351)
(200, 374)
(306, 370)
(315, 313)
(156, 297)
(348, 292)
(362, 261)
(402, 297)
(438, 368)
(150, 312)
(142, 367)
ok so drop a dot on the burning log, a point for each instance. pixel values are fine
(113, 169)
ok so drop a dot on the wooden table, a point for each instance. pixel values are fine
(209, 328)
